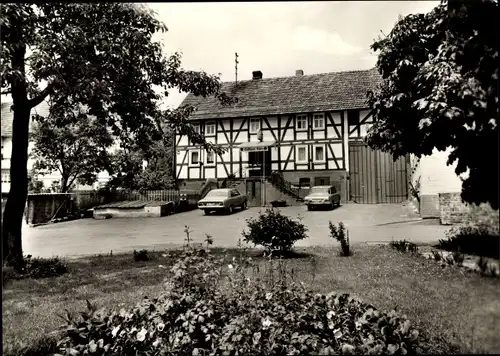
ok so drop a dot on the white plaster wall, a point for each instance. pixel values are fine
(436, 176)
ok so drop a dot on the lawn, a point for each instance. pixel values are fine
(459, 312)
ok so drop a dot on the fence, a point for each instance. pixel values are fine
(90, 198)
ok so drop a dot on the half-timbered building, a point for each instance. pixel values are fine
(307, 129)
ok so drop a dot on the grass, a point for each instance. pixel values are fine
(459, 312)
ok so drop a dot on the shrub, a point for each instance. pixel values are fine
(404, 246)
(437, 256)
(274, 231)
(479, 240)
(141, 256)
(44, 267)
(201, 315)
(458, 257)
(341, 234)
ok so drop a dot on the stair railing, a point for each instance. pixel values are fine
(284, 186)
(232, 180)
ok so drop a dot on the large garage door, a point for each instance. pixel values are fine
(375, 177)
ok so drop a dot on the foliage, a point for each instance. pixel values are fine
(125, 169)
(440, 73)
(77, 150)
(458, 257)
(341, 234)
(141, 255)
(201, 315)
(415, 189)
(38, 268)
(45, 346)
(274, 231)
(110, 68)
(404, 246)
(477, 240)
(35, 185)
(437, 256)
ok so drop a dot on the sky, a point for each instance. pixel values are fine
(278, 38)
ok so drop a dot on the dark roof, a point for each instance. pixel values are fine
(41, 109)
(287, 95)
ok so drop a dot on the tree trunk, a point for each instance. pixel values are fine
(16, 201)
(64, 184)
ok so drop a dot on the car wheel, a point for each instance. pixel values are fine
(230, 210)
(206, 211)
(332, 206)
(244, 206)
(309, 207)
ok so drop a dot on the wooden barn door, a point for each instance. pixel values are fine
(363, 177)
(375, 177)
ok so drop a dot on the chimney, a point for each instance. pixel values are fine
(257, 74)
(299, 72)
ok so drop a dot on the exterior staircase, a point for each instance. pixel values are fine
(275, 179)
(284, 186)
(231, 181)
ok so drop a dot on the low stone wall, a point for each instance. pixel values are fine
(453, 211)
(143, 212)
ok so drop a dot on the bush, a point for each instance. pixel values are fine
(404, 246)
(141, 256)
(201, 315)
(341, 234)
(43, 267)
(274, 231)
(47, 345)
(477, 240)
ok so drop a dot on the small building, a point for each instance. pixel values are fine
(306, 129)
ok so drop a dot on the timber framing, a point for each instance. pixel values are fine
(282, 129)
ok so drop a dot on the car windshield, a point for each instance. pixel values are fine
(217, 193)
(319, 190)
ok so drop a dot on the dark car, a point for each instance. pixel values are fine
(322, 195)
(222, 200)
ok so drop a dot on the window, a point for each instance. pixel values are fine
(195, 157)
(235, 193)
(319, 121)
(301, 123)
(304, 182)
(302, 154)
(319, 153)
(5, 176)
(254, 125)
(196, 128)
(321, 181)
(210, 129)
(353, 117)
(210, 157)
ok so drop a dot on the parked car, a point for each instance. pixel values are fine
(322, 195)
(222, 200)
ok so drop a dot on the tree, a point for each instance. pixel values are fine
(94, 55)
(159, 172)
(440, 90)
(78, 150)
(35, 185)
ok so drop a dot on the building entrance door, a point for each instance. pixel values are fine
(254, 192)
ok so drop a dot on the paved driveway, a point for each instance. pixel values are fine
(366, 223)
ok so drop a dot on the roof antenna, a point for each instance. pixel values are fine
(236, 67)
